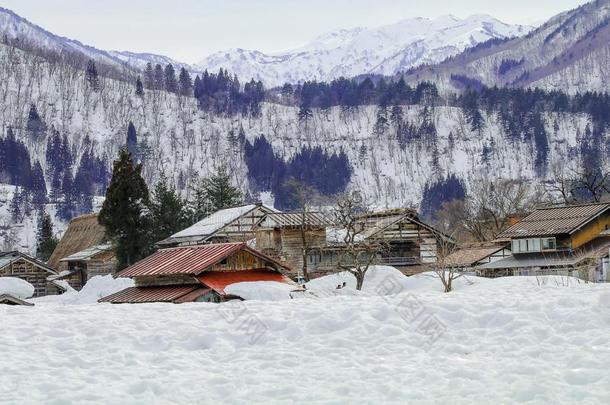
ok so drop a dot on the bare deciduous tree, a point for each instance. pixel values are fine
(357, 253)
(446, 272)
(574, 186)
(488, 209)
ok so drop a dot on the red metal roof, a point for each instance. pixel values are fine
(182, 260)
(218, 280)
(149, 294)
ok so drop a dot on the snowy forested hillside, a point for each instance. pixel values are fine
(176, 137)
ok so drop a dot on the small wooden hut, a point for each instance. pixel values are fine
(19, 265)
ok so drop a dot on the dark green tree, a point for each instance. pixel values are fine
(124, 213)
(185, 82)
(35, 126)
(92, 75)
(45, 238)
(214, 193)
(171, 83)
(168, 213)
(139, 87)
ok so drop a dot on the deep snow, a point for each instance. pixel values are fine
(490, 341)
(16, 287)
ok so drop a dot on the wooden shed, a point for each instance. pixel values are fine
(197, 274)
(35, 272)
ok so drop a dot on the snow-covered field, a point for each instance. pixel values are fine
(490, 341)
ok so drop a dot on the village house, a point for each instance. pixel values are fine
(83, 252)
(234, 224)
(408, 243)
(290, 236)
(35, 272)
(467, 257)
(564, 240)
(197, 273)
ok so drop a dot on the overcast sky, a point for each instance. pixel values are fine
(188, 30)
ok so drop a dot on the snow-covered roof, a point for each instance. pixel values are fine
(215, 222)
(7, 258)
(88, 253)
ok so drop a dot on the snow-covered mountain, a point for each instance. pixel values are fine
(15, 27)
(385, 50)
(570, 52)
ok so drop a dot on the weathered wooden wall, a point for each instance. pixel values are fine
(31, 273)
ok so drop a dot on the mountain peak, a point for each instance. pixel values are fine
(386, 50)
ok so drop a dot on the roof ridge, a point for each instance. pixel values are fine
(201, 246)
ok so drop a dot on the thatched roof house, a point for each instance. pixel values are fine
(83, 252)
(83, 233)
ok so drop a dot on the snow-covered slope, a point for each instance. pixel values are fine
(14, 27)
(385, 50)
(501, 341)
(571, 52)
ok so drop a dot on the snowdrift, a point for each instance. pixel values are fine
(96, 288)
(16, 287)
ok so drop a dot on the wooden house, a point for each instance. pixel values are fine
(570, 240)
(83, 252)
(197, 273)
(235, 224)
(19, 265)
(288, 236)
(409, 244)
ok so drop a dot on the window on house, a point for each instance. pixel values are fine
(549, 244)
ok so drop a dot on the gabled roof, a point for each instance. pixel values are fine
(9, 299)
(550, 221)
(468, 256)
(83, 232)
(188, 260)
(293, 219)
(87, 254)
(212, 224)
(7, 258)
(388, 218)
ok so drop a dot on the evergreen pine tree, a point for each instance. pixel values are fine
(132, 141)
(92, 76)
(185, 82)
(171, 84)
(35, 126)
(214, 193)
(167, 211)
(124, 213)
(39, 187)
(158, 78)
(139, 87)
(45, 238)
(149, 76)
